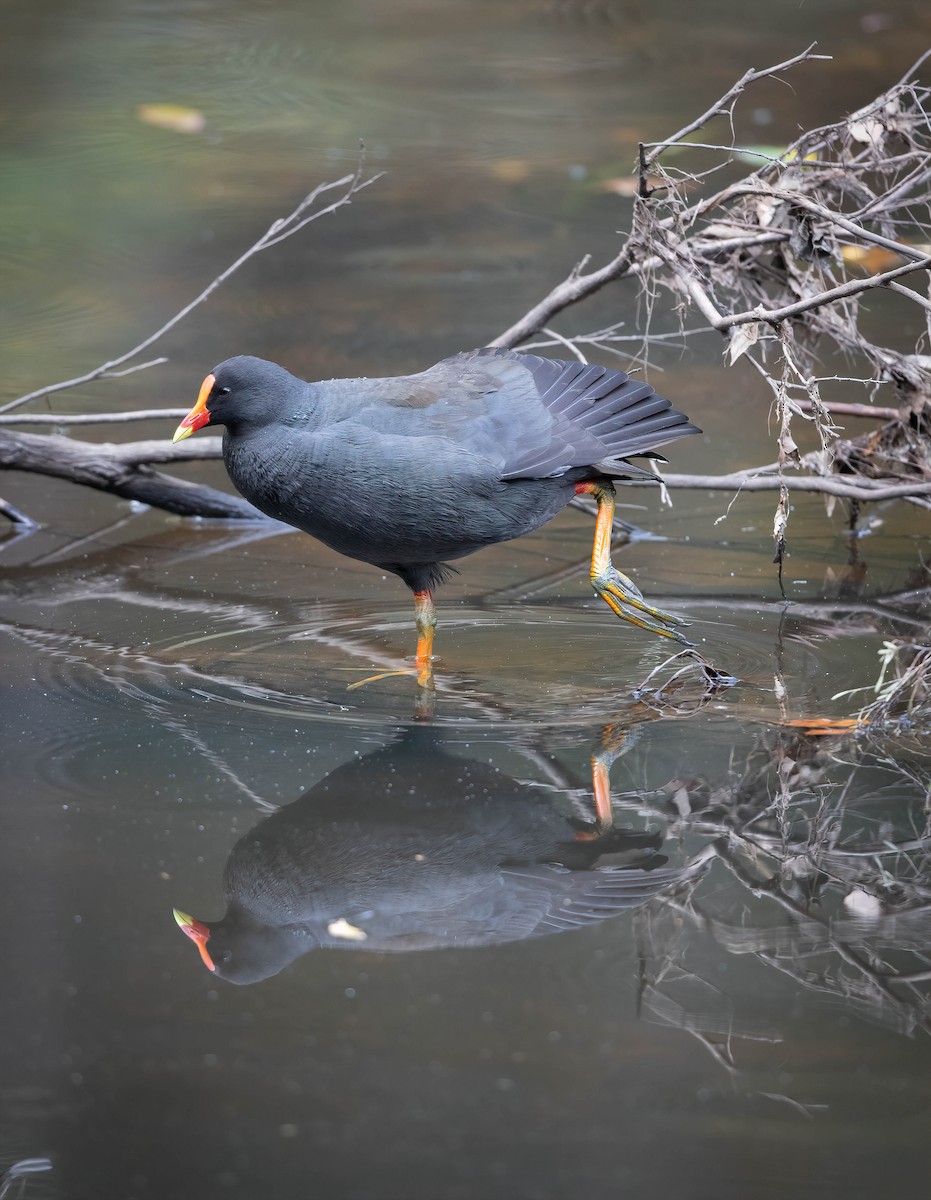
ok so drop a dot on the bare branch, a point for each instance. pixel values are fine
(117, 469)
(869, 412)
(908, 293)
(567, 342)
(853, 287)
(574, 287)
(749, 481)
(142, 414)
(724, 106)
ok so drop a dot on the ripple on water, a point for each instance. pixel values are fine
(530, 666)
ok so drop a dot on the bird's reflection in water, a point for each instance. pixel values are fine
(415, 848)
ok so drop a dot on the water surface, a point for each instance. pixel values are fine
(743, 1012)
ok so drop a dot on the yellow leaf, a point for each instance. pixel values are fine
(792, 155)
(342, 929)
(629, 185)
(172, 116)
(511, 170)
(825, 726)
(871, 259)
(623, 185)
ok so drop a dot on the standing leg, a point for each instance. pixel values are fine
(621, 594)
(425, 616)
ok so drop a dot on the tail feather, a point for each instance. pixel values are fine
(624, 414)
(599, 416)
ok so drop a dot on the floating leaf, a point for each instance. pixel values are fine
(871, 259)
(342, 929)
(511, 170)
(172, 116)
(623, 185)
(629, 185)
(824, 726)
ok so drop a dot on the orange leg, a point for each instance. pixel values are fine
(615, 740)
(601, 785)
(621, 594)
(425, 616)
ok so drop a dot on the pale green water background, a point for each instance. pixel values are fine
(163, 686)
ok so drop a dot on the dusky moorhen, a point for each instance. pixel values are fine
(407, 472)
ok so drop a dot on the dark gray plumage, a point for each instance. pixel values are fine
(411, 472)
(408, 472)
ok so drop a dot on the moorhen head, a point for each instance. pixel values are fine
(409, 472)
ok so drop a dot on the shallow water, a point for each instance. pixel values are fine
(462, 985)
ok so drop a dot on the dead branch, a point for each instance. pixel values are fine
(141, 414)
(724, 106)
(868, 412)
(574, 288)
(578, 286)
(853, 287)
(754, 481)
(121, 471)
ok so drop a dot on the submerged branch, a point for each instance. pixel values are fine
(16, 517)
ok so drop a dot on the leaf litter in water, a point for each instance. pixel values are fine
(172, 116)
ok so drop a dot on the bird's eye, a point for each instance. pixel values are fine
(223, 391)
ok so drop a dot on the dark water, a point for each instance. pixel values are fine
(462, 985)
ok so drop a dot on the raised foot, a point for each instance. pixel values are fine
(626, 600)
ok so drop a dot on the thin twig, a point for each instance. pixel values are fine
(16, 516)
(724, 105)
(573, 288)
(869, 412)
(748, 481)
(141, 414)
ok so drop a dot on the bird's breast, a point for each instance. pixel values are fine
(386, 500)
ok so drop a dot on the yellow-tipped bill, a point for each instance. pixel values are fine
(198, 932)
(198, 415)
